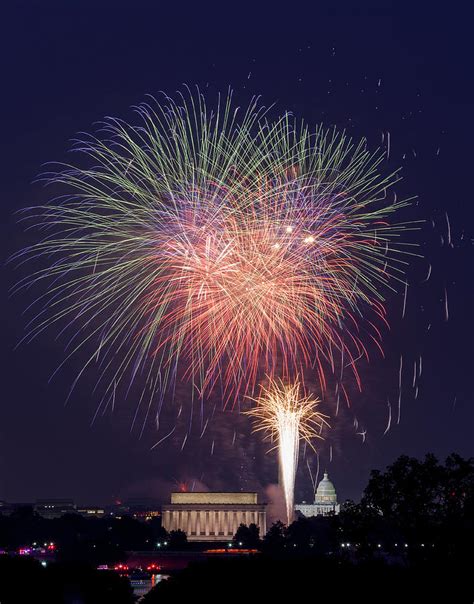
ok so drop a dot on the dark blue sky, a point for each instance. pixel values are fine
(65, 65)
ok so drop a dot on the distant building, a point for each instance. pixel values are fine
(90, 511)
(144, 509)
(146, 514)
(325, 500)
(213, 516)
(54, 508)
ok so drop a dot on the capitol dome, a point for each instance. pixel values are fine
(325, 501)
(325, 493)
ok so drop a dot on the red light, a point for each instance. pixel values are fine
(121, 567)
(152, 567)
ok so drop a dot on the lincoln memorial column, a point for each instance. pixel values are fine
(220, 522)
(188, 523)
(198, 523)
(226, 522)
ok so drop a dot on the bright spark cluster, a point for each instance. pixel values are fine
(286, 417)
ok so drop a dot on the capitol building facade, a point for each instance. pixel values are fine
(325, 500)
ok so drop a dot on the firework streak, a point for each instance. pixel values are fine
(286, 418)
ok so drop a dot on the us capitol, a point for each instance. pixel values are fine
(325, 500)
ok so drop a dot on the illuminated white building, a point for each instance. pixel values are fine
(54, 508)
(325, 500)
(213, 516)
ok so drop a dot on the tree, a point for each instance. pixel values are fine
(315, 534)
(427, 502)
(159, 533)
(409, 491)
(458, 492)
(177, 539)
(247, 536)
(364, 527)
(299, 533)
(275, 539)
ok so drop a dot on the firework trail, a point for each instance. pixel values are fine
(400, 389)
(389, 421)
(286, 418)
(449, 228)
(429, 274)
(405, 300)
(311, 475)
(214, 247)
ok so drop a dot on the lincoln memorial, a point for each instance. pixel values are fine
(213, 516)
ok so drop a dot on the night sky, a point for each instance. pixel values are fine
(66, 65)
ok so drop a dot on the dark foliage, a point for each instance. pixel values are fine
(177, 539)
(24, 581)
(78, 539)
(247, 536)
(417, 502)
(261, 578)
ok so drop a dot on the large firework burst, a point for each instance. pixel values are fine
(215, 246)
